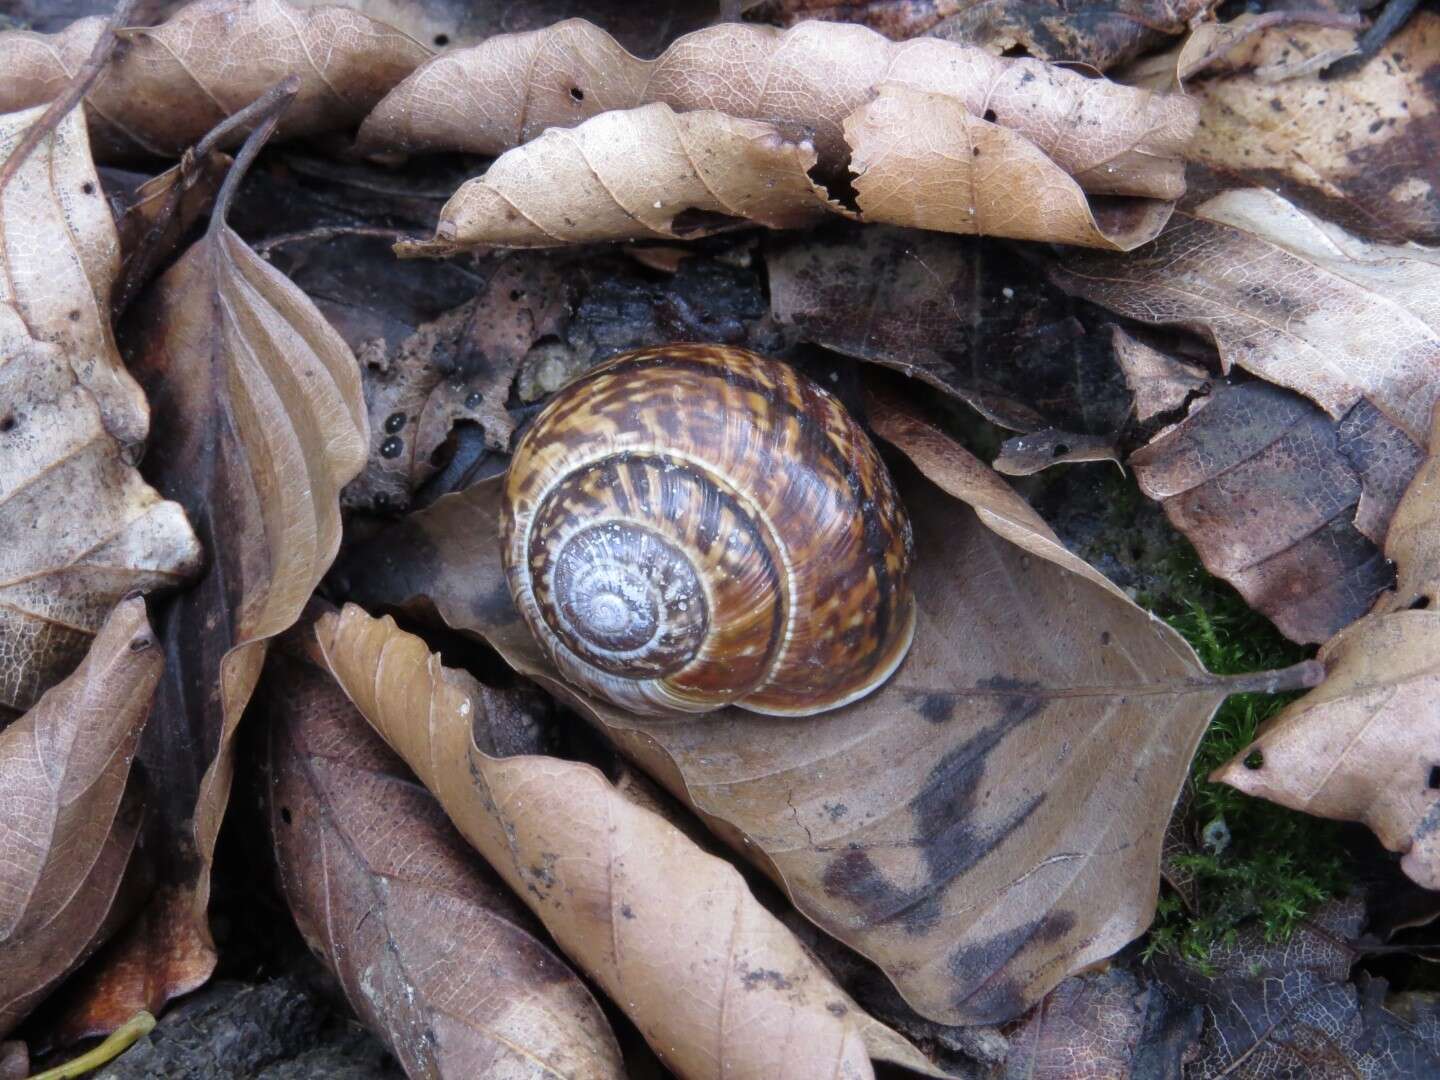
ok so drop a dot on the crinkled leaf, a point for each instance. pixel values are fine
(1088, 1028)
(989, 821)
(1291, 299)
(78, 526)
(65, 833)
(806, 81)
(714, 982)
(59, 258)
(259, 424)
(1362, 148)
(434, 952)
(172, 83)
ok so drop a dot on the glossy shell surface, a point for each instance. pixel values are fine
(694, 526)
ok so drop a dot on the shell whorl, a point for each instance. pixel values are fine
(695, 526)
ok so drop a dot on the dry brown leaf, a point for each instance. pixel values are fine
(172, 83)
(988, 822)
(1158, 383)
(260, 423)
(59, 258)
(919, 160)
(65, 835)
(434, 952)
(714, 982)
(79, 528)
(1290, 298)
(806, 80)
(1362, 148)
(1362, 747)
(639, 173)
(1087, 1028)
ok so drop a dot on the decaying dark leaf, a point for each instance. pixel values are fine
(78, 526)
(1288, 1009)
(1289, 297)
(887, 821)
(434, 952)
(1087, 1028)
(962, 314)
(173, 82)
(67, 826)
(1112, 139)
(627, 895)
(260, 423)
(459, 368)
(1283, 502)
(1362, 148)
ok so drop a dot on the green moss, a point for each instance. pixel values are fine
(1252, 860)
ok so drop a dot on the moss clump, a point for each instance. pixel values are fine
(1252, 860)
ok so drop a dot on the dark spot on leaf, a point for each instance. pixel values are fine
(88, 187)
(140, 644)
(394, 422)
(626, 912)
(576, 94)
(1055, 926)
(1104, 637)
(1277, 104)
(7, 422)
(473, 400)
(853, 876)
(836, 1008)
(980, 992)
(752, 979)
(1434, 781)
(936, 708)
(392, 446)
(73, 315)
(1060, 450)
(1254, 760)
(1420, 604)
(1017, 706)
(285, 815)
(989, 116)
(441, 40)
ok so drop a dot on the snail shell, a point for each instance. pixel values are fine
(696, 526)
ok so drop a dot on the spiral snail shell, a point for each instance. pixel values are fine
(695, 526)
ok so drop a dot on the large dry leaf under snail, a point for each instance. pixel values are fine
(78, 526)
(918, 159)
(172, 83)
(259, 424)
(434, 952)
(1289, 297)
(715, 983)
(805, 80)
(1363, 746)
(983, 825)
(65, 835)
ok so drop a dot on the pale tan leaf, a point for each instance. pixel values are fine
(640, 173)
(714, 982)
(172, 83)
(64, 840)
(434, 952)
(260, 423)
(1160, 383)
(925, 161)
(805, 80)
(986, 823)
(59, 257)
(1291, 299)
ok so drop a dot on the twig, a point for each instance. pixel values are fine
(1394, 15)
(140, 264)
(79, 86)
(120, 1040)
(327, 232)
(269, 105)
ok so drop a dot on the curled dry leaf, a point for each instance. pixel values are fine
(78, 527)
(1290, 298)
(638, 173)
(1266, 120)
(65, 830)
(434, 952)
(806, 80)
(260, 423)
(1159, 384)
(172, 83)
(714, 982)
(60, 257)
(985, 824)
(1363, 746)
(919, 159)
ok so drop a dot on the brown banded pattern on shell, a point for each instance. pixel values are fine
(695, 526)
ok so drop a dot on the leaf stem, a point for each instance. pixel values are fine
(1302, 676)
(79, 86)
(268, 105)
(119, 1040)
